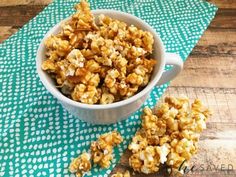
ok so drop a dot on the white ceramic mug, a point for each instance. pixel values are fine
(111, 113)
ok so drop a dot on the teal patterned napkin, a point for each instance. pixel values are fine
(37, 136)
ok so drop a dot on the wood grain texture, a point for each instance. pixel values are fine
(24, 2)
(217, 71)
(211, 68)
(225, 19)
(216, 42)
(6, 32)
(224, 4)
(18, 15)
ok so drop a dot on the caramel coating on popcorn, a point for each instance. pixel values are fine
(149, 158)
(101, 149)
(169, 134)
(119, 174)
(100, 153)
(81, 164)
(99, 63)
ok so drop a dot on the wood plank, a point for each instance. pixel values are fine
(224, 4)
(215, 42)
(18, 15)
(24, 2)
(6, 32)
(217, 147)
(224, 19)
(216, 37)
(208, 71)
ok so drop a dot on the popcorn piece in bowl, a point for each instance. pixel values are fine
(76, 58)
(169, 134)
(83, 18)
(110, 60)
(57, 47)
(107, 98)
(86, 94)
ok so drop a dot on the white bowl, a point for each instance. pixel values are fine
(114, 112)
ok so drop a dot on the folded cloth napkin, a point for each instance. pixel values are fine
(37, 136)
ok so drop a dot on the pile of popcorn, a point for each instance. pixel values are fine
(99, 63)
(169, 135)
(100, 153)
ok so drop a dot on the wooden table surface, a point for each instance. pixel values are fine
(209, 74)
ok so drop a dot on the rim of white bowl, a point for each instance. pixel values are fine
(56, 93)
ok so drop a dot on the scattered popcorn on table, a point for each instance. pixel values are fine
(119, 174)
(169, 134)
(101, 153)
(102, 149)
(81, 164)
(110, 60)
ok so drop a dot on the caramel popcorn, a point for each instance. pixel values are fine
(81, 164)
(169, 134)
(99, 63)
(102, 148)
(86, 94)
(119, 174)
(101, 153)
(107, 98)
(149, 158)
